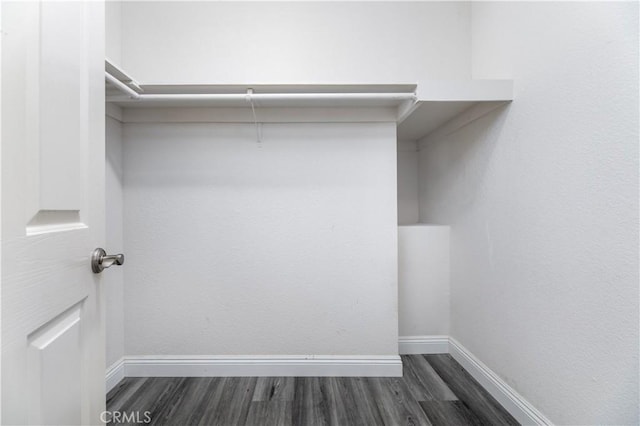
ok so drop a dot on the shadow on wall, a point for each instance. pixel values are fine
(457, 164)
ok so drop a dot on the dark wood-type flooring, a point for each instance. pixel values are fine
(434, 389)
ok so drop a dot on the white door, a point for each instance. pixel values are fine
(52, 136)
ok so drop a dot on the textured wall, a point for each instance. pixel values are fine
(542, 199)
(295, 42)
(288, 247)
(113, 281)
(423, 280)
(408, 207)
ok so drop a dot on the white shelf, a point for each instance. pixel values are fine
(439, 102)
(420, 109)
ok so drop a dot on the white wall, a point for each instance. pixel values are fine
(423, 280)
(542, 199)
(408, 206)
(113, 281)
(285, 247)
(295, 42)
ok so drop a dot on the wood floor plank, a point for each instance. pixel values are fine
(140, 400)
(142, 384)
(360, 405)
(211, 403)
(269, 413)
(186, 404)
(274, 389)
(395, 402)
(167, 386)
(234, 402)
(308, 408)
(446, 413)
(469, 391)
(149, 398)
(123, 391)
(335, 410)
(417, 388)
(424, 382)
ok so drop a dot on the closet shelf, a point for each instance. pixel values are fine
(419, 109)
(450, 103)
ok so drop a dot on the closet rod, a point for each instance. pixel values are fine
(121, 86)
(280, 96)
(256, 96)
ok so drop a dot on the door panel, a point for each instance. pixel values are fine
(52, 135)
(54, 359)
(61, 71)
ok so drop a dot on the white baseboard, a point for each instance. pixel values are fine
(115, 373)
(415, 345)
(229, 366)
(513, 402)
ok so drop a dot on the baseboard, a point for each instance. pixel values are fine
(513, 402)
(415, 345)
(229, 366)
(115, 373)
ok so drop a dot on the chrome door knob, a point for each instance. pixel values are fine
(101, 260)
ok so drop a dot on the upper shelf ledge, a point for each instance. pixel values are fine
(420, 108)
(439, 102)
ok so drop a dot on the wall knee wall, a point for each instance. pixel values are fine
(285, 247)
